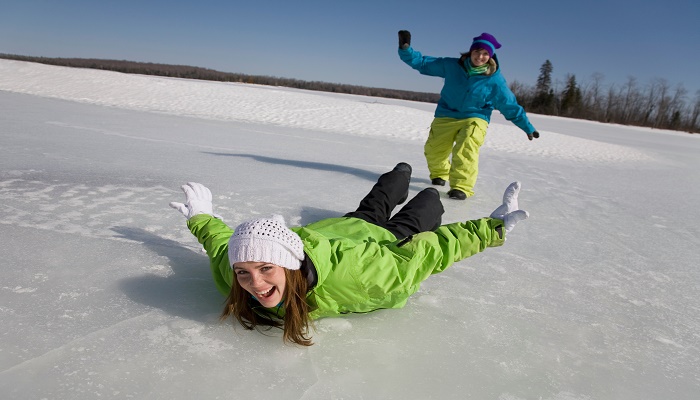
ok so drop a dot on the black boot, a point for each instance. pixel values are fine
(391, 189)
(457, 194)
(405, 168)
(438, 182)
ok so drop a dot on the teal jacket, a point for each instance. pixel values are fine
(463, 96)
(360, 267)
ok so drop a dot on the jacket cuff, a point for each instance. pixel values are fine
(198, 218)
(498, 232)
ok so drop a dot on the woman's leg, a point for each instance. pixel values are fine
(423, 213)
(439, 145)
(465, 156)
(391, 189)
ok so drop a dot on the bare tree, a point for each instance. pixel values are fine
(694, 119)
(629, 95)
(592, 101)
(676, 108)
(522, 92)
(612, 108)
(649, 105)
(661, 87)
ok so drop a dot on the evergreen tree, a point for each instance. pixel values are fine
(544, 80)
(544, 95)
(571, 97)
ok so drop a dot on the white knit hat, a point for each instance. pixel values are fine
(266, 240)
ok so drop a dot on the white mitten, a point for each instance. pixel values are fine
(197, 200)
(508, 212)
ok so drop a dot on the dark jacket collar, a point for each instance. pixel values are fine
(308, 269)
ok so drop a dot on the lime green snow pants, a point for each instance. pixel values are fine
(462, 138)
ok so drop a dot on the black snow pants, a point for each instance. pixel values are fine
(422, 213)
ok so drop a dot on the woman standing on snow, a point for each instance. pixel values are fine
(473, 88)
(363, 261)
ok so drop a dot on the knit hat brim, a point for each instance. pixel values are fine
(266, 240)
(483, 44)
(487, 42)
(262, 250)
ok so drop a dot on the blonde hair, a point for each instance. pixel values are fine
(296, 321)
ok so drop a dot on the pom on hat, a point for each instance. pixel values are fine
(266, 240)
(487, 42)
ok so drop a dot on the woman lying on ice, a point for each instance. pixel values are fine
(363, 261)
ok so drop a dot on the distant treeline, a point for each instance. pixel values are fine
(655, 106)
(185, 71)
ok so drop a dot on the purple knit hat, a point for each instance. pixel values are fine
(487, 42)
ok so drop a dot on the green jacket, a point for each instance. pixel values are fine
(361, 267)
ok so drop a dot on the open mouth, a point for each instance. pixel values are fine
(266, 294)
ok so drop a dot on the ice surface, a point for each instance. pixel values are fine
(105, 294)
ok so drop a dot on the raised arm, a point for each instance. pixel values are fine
(426, 65)
(211, 232)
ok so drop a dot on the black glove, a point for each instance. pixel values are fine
(533, 135)
(404, 39)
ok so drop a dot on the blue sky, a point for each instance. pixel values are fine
(355, 42)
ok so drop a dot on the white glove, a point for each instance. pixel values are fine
(508, 211)
(197, 200)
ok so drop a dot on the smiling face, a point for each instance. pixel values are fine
(265, 281)
(479, 57)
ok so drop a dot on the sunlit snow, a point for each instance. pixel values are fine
(105, 293)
